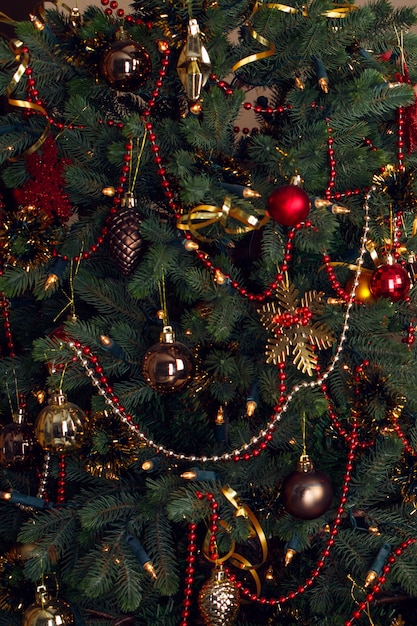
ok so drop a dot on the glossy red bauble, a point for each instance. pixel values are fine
(288, 205)
(306, 495)
(390, 281)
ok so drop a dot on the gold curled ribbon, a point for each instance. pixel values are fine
(384, 250)
(205, 215)
(6, 19)
(338, 12)
(255, 530)
(16, 46)
(40, 9)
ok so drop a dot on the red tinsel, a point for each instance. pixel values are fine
(46, 187)
(409, 114)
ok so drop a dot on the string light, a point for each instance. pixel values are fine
(264, 436)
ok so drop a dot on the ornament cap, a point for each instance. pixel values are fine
(219, 575)
(167, 335)
(19, 416)
(58, 397)
(121, 34)
(305, 464)
(129, 200)
(42, 595)
(296, 180)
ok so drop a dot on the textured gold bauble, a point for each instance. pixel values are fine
(59, 426)
(51, 613)
(218, 600)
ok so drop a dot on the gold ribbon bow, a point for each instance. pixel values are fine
(255, 530)
(22, 57)
(384, 251)
(205, 215)
(338, 11)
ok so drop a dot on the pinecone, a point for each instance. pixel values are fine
(125, 240)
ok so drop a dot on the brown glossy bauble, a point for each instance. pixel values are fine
(218, 600)
(306, 494)
(51, 613)
(126, 65)
(17, 443)
(168, 365)
(59, 427)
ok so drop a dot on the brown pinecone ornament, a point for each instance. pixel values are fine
(125, 240)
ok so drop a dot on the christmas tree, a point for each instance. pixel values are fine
(208, 235)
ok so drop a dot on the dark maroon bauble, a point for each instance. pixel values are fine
(390, 281)
(126, 65)
(288, 205)
(306, 495)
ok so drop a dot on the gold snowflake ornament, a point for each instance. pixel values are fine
(290, 319)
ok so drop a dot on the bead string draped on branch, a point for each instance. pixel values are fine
(258, 442)
(245, 592)
(36, 105)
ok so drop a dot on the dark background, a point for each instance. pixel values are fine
(17, 9)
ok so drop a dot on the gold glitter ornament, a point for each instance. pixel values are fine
(27, 237)
(218, 599)
(113, 447)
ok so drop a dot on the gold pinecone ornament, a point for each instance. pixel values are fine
(218, 599)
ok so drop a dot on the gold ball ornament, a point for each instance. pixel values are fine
(52, 612)
(218, 600)
(59, 427)
(363, 290)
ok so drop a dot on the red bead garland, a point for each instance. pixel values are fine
(5, 312)
(362, 606)
(324, 555)
(190, 572)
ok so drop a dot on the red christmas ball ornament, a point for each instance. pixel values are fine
(390, 281)
(288, 205)
(306, 493)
